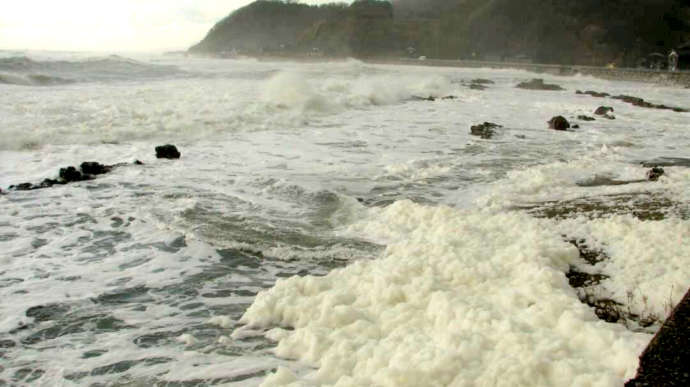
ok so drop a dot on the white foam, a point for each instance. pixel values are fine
(459, 298)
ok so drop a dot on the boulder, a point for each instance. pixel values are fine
(485, 130)
(538, 84)
(603, 110)
(167, 151)
(559, 123)
(94, 168)
(70, 174)
(655, 173)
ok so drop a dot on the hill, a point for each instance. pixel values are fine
(588, 32)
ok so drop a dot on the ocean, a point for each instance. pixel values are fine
(330, 224)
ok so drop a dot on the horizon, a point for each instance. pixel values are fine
(112, 26)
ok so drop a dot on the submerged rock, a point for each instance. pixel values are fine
(593, 93)
(538, 84)
(655, 173)
(665, 360)
(585, 118)
(559, 123)
(485, 130)
(482, 81)
(637, 101)
(169, 151)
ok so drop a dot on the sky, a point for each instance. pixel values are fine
(111, 25)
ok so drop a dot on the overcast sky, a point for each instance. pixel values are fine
(111, 25)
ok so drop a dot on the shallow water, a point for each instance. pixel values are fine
(401, 245)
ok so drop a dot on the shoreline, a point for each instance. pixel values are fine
(663, 77)
(681, 78)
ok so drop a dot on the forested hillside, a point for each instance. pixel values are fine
(548, 31)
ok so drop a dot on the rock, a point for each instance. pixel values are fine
(482, 81)
(23, 187)
(576, 126)
(485, 130)
(476, 86)
(538, 84)
(593, 93)
(655, 173)
(585, 118)
(94, 168)
(665, 360)
(70, 174)
(169, 151)
(559, 123)
(450, 97)
(603, 110)
(47, 183)
(138, 162)
(636, 101)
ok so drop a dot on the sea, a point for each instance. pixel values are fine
(333, 224)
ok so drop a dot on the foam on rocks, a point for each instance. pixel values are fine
(459, 298)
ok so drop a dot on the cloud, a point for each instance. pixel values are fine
(111, 25)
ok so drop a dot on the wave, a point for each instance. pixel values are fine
(33, 80)
(113, 67)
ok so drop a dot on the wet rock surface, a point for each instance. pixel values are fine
(87, 171)
(538, 84)
(170, 151)
(485, 130)
(636, 101)
(583, 117)
(559, 123)
(655, 173)
(666, 360)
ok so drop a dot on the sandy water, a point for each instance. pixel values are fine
(386, 244)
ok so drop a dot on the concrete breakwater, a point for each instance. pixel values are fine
(627, 74)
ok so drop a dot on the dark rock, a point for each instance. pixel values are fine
(538, 84)
(593, 93)
(576, 126)
(170, 151)
(70, 174)
(655, 173)
(559, 123)
(7, 344)
(450, 97)
(665, 360)
(485, 130)
(636, 101)
(23, 187)
(585, 118)
(138, 162)
(47, 183)
(476, 86)
(603, 110)
(482, 81)
(94, 168)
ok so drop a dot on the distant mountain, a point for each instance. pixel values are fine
(591, 32)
